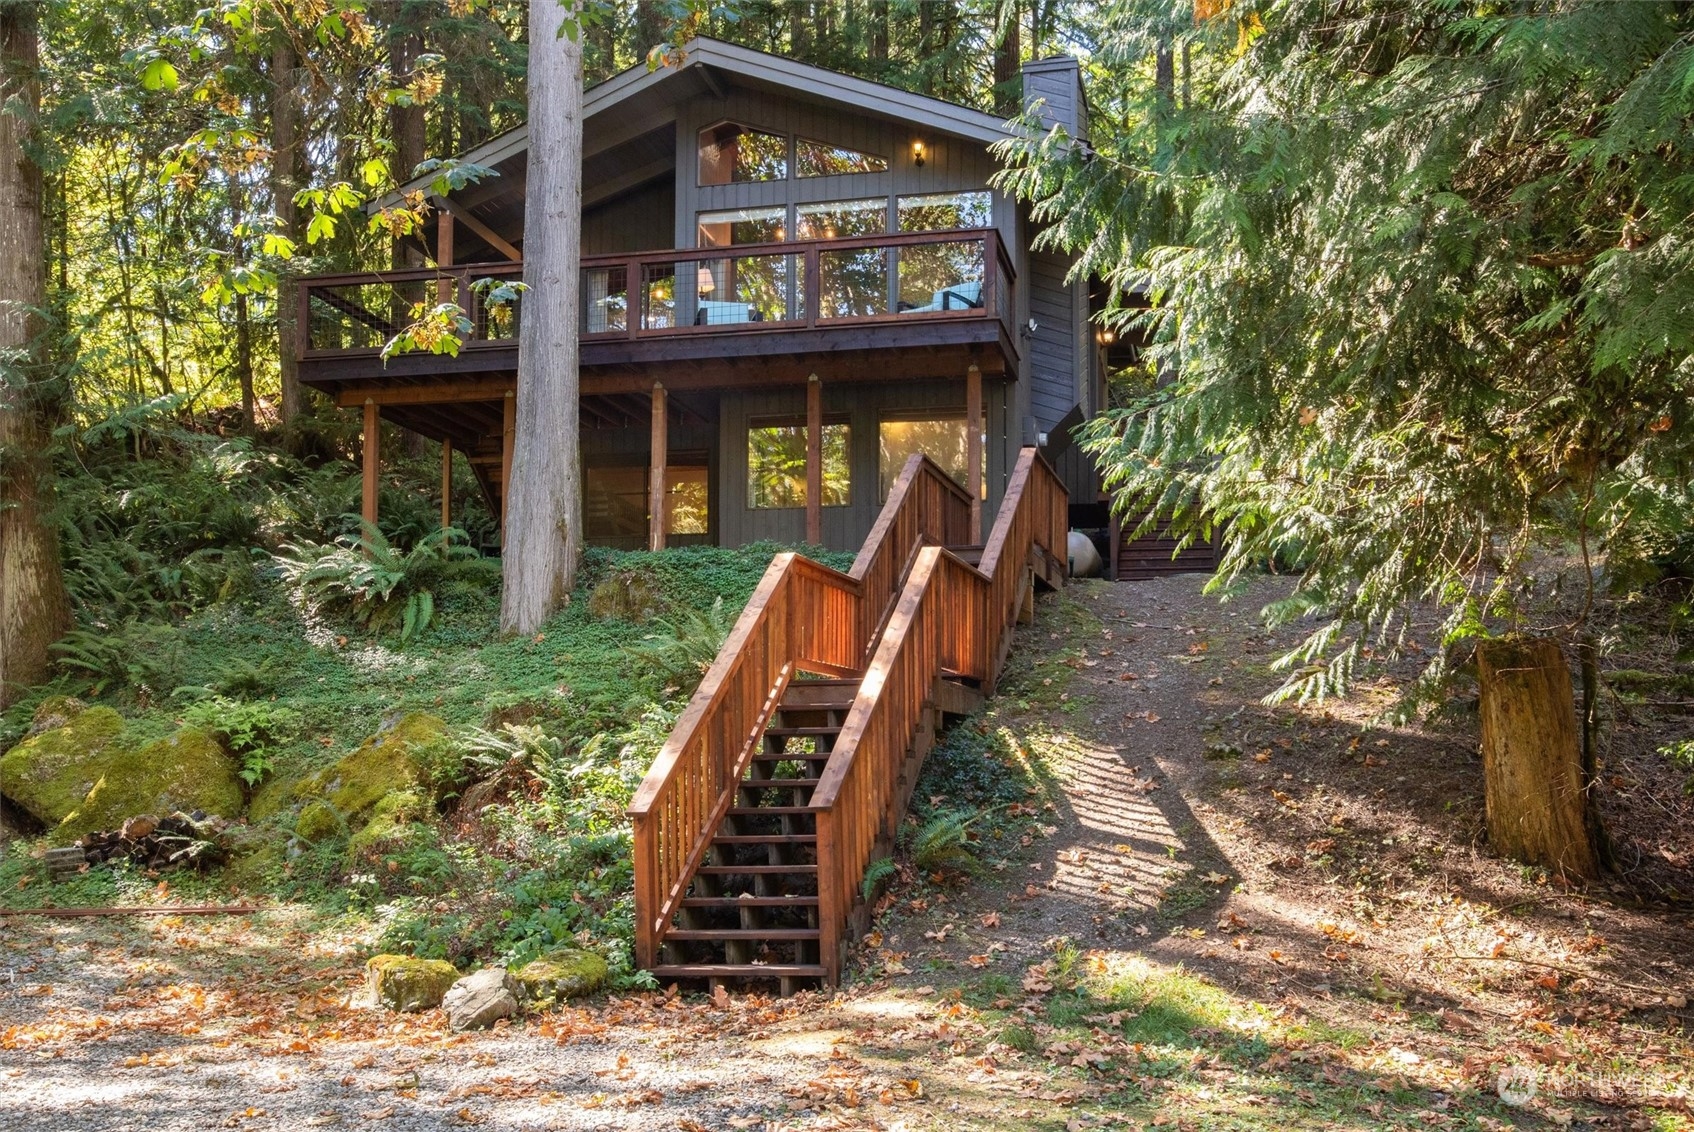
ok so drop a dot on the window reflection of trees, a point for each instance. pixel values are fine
(945, 440)
(776, 466)
(815, 159)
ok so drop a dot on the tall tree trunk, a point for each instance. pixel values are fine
(800, 29)
(879, 34)
(405, 123)
(286, 153)
(927, 45)
(34, 610)
(1532, 757)
(1008, 63)
(543, 520)
(652, 26)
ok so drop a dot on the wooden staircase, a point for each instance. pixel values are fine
(794, 762)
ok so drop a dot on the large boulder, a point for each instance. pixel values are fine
(566, 973)
(51, 772)
(390, 762)
(402, 982)
(393, 824)
(478, 1001)
(185, 771)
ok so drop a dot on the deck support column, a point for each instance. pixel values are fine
(446, 483)
(444, 254)
(973, 448)
(658, 447)
(814, 460)
(373, 446)
(508, 432)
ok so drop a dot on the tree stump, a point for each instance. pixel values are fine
(1532, 757)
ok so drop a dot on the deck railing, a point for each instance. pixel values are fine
(803, 617)
(804, 283)
(951, 619)
(750, 288)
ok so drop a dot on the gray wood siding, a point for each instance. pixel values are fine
(863, 406)
(634, 222)
(1057, 83)
(1052, 348)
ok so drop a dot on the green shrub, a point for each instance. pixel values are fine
(683, 648)
(378, 584)
(249, 730)
(139, 657)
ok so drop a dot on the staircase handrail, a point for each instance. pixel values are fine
(802, 617)
(950, 619)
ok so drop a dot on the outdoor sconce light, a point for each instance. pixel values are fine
(703, 279)
(1107, 337)
(918, 152)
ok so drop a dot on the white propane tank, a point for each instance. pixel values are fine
(1084, 559)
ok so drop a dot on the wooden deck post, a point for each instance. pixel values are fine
(814, 460)
(973, 448)
(444, 254)
(659, 446)
(373, 446)
(446, 483)
(507, 434)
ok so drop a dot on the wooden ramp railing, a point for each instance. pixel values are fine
(803, 617)
(908, 621)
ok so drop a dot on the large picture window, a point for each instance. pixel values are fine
(776, 464)
(731, 154)
(614, 501)
(939, 212)
(943, 437)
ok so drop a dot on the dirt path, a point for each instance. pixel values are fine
(1212, 915)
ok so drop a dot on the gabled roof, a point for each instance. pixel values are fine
(702, 57)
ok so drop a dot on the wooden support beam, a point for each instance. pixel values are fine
(508, 433)
(373, 446)
(437, 393)
(451, 211)
(446, 483)
(658, 448)
(444, 254)
(973, 448)
(814, 460)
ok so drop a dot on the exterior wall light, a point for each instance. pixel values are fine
(918, 152)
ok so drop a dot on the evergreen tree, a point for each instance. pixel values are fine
(1419, 288)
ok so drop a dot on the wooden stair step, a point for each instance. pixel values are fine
(802, 732)
(749, 901)
(778, 783)
(754, 870)
(764, 839)
(755, 811)
(789, 756)
(725, 934)
(737, 970)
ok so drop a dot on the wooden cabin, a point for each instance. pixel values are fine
(792, 280)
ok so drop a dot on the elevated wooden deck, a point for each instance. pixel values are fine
(792, 767)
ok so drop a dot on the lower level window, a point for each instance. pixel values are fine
(776, 465)
(615, 501)
(943, 438)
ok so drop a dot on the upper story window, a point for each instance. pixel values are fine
(743, 226)
(816, 159)
(938, 212)
(731, 153)
(843, 219)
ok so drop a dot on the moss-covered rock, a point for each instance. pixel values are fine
(401, 982)
(394, 822)
(390, 762)
(626, 596)
(185, 771)
(317, 821)
(558, 975)
(55, 711)
(50, 773)
(272, 798)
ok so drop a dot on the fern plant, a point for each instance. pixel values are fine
(376, 583)
(683, 649)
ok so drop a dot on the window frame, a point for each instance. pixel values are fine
(789, 420)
